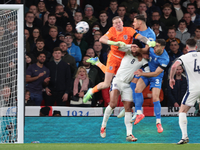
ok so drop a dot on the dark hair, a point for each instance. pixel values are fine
(191, 4)
(40, 40)
(121, 5)
(172, 28)
(182, 21)
(103, 12)
(39, 53)
(138, 43)
(51, 15)
(161, 42)
(57, 49)
(111, 1)
(191, 42)
(45, 110)
(198, 27)
(167, 5)
(140, 17)
(29, 12)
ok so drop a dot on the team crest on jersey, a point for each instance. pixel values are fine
(110, 68)
(125, 37)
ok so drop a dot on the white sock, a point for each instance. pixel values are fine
(107, 113)
(139, 112)
(158, 121)
(128, 124)
(183, 124)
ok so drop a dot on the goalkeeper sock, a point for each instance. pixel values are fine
(138, 102)
(101, 66)
(95, 90)
(106, 115)
(157, 109)
(183, 124)
(128, 124)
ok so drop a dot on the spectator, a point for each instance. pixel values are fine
(56, 113)
(182, 31)
(73, 6)
(142, 9)
(28, 101)
(38, 22)
(195, 17)
(37, 75)
(100, 52)
(79, 41)
(184, 51)
(132, 15)
(27, 35)
(61, 16)
(147, 94)
(30, 59)
(35, 35)
(69, 29)
(172, 36)
(122, 14)
(176, 94)
(103, 21)
(40, 48)
(80, 86)
(70, 60)
(177, 9)
(77, 17)
(52, 41)
(90, 52)
(112, 10)
(198, 6)
(187, 2)
(175, 52)
(60, 80)
(61, 36)
(190, 25)
(28, 24)
(151, 7)
(155, 27)
(51, 22)
(2, 31)
(51, 5)
(130, 4)
(44, 111)
(42, 13)
(155, 16)
(73, 50)
(197, 37)
(89, 18)
(167, 18)
(92, 70)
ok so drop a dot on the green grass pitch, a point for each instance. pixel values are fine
(77, 146)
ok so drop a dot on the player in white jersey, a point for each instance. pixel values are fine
(191, 64)
(121, 86)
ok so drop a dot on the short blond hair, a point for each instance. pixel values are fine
(79, 68)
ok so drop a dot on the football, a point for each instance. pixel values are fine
(82, 27)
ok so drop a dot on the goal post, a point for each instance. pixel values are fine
(12, 55)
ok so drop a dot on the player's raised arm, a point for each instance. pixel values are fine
(105, 40)
(172, 72)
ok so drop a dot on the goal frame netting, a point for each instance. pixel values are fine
(20, 68)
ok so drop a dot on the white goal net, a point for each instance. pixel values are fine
(11, 74)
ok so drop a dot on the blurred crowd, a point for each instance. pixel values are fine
(57, 73)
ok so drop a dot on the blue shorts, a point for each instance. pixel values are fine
(136, 76)
(155, 82)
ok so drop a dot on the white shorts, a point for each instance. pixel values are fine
(190, 98)
(124, 89)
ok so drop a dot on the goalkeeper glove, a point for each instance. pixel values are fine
(119, 43)
(151, 43)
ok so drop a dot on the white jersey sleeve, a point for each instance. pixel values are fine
(191, 64)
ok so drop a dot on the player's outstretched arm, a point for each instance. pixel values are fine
(158, 71)
(146, 41)
(105, 40)
(172, 73)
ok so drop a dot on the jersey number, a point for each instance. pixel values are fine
(132, 61)
(196, 68)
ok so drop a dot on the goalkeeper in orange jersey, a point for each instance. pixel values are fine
(117, 36)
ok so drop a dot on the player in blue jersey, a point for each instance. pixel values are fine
(141, 27)
(158, 61)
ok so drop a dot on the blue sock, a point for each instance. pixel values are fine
(157, 109)
(133, 85)
(138, 101)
